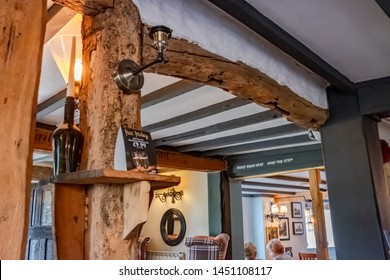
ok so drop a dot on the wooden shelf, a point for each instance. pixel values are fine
(109, 176)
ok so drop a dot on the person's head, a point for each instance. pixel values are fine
(250, 251)
(275, 247)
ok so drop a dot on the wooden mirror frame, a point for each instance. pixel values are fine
(163, 232)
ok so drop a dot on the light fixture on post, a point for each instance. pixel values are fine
(128, 75)
(176, 195)
(276, 213)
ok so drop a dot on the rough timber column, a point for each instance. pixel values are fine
(108, 38)
(22, 30)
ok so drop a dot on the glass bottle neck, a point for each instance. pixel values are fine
(69, 110)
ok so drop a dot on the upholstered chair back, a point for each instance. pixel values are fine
(207, 247)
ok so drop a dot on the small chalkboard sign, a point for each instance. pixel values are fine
(134, 150)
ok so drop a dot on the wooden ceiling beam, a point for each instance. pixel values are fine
(243, 137)
(189, 61)
(87, 7)
(168, 92)
(273, 143)
(167, 159)
(197, 114)
(220, 127)
(293, 179)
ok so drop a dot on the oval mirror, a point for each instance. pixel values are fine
(172, 227)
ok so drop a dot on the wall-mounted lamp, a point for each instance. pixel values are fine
(314, 135)
(276, 212)
(172, 193)
(128, 75)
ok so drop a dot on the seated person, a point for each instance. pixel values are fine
(276, 250)
(250, 251)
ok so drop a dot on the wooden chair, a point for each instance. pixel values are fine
(143, 242)
(307, 256)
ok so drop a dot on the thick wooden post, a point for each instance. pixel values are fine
(22, 30)
(318, 214)
(108, 38)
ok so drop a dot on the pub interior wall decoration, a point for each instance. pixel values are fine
(297, 228)
(296, 210)
(272, 232)
(284, 229)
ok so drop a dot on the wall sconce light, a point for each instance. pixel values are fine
(172, 193)
(276, 213)
(128, 75)
(314, 135)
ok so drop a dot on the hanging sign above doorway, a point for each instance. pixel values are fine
(274, 161)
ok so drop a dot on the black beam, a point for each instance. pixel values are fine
(266, 191)
(385, 6)
(52, 104)
(243, 137)
(257, 195)
(274, 143)
(198, 114)
(291, 178)
(249, 16)
(374, 97)
(277, 186)
(219, 127)
(272, 186)
(56, 18)
(168, 92)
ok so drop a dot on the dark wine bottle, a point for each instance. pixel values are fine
(67, 142)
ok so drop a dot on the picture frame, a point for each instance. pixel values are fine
(272, 232)
(297, 228)
(296, 210)
(284, 229)
(288, 251)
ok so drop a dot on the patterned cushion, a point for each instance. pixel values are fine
(207, 247)
(142, 246)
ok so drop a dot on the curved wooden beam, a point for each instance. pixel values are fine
(189, 61)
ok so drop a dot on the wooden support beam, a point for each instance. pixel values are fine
(22, 29)
(188, 162)
(167, 159)
(185, 60)
(87, 7)
(318, 215)
(69, 221)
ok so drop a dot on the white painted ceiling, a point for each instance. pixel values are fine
(353, 36)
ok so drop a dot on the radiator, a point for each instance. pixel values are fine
(164, 255)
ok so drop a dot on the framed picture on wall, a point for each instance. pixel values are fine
(297, 228)
(296, 210)
(288, 251)
(284, 229)
(272, 232)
